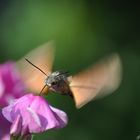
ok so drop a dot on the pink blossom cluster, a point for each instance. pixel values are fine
(23, 113)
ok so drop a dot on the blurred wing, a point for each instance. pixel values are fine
(42, 57)
(99, 80)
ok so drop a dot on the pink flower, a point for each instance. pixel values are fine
(11, 86)
(28, 114)
(33, 114)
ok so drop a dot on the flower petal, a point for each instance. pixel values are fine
(16, 126)
(61, 117)
(36, 115)
(4, 128)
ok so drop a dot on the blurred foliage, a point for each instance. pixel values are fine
(83, 32)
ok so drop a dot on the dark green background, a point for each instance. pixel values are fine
(84, 31)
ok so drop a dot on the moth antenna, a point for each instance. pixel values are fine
(42, 89)
(35, 66)
(66, 72)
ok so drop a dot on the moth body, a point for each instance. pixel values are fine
(97, 81)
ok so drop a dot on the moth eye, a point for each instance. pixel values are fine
(54, 83)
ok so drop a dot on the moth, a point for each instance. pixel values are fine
(98, 80)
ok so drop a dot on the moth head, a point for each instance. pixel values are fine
(54, 78)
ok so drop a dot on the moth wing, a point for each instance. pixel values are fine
(42, 57)
(97, 81)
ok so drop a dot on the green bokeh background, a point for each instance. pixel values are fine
(83, 31)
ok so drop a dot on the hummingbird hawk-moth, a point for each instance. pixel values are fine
(98, 80)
